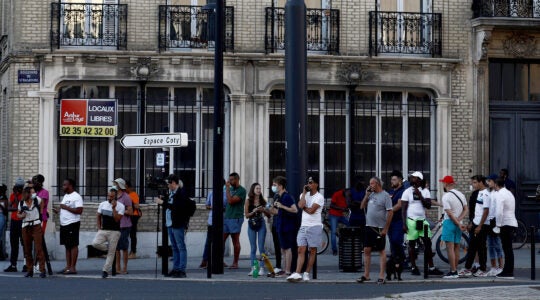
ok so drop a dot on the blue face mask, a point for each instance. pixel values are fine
(274, 189)
(34, 195)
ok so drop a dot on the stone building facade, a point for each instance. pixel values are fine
(417, 74)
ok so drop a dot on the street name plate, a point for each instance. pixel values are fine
(154, 140)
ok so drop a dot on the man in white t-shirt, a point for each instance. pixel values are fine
(413, 208)
(70, 210)
(455, 209)
(310, 234)
(479, 228)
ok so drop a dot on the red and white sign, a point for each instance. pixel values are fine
(73, 112)
(88, 117)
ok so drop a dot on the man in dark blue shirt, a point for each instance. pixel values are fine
(395, 233)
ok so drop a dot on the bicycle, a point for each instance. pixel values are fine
(439, 246)
(520, 235)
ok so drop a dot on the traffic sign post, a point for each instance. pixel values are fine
(154, 140)
(158, 140)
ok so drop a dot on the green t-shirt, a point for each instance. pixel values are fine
(236, 211)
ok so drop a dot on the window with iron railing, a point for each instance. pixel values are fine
(89, 24)
(192, 26)
(322, 30)
(394, 130)
(506, 8)
(405, 33)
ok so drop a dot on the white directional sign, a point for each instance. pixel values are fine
(154, 140)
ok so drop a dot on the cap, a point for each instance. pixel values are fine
(313, 178)
(19, 181)
(418, 174)
(121, 183)
(448, 179)
(492, 177)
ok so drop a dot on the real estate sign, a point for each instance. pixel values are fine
(88, 117)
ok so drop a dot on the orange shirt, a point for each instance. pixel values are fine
(135, 200)
(14, 204)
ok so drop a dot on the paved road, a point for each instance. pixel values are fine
(118, 288)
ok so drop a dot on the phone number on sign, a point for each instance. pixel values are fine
(87, 131)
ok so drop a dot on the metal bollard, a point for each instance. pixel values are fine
(427, 251)
(533, 253)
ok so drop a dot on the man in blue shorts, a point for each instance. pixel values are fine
(234, 214)
(455, 209)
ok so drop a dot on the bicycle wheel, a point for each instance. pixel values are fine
(519, 237)
(325, 241)
(463, 249)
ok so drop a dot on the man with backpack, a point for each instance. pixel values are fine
(179, 209)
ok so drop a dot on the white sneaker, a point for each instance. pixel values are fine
(251, 272)
(277, 270)
(305, 277)
(261, 271)
(464, 273)
(492, 272)
(499, 270)
(480, 273)
(295, 277)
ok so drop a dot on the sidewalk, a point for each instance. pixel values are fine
(328, 272)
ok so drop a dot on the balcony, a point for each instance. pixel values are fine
(85, 25)
(506, 8)
(322, 30)
(190, 26)
(405, 33)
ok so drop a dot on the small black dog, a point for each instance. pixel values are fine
(394, 266)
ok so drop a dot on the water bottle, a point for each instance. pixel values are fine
(256, 268)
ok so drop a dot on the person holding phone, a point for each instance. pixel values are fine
(108, 218)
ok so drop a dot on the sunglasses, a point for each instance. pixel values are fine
(310, 182)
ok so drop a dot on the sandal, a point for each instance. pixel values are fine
(233, 267)
(362, 279)
(381, 281)
(69, 272)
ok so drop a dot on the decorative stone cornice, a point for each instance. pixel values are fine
(519, 45)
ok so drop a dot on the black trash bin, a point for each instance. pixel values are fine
(350, 249)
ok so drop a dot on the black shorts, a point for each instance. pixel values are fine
(69, 235)
(373, 239)
(287, 239)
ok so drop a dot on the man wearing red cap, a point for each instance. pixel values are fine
(455, 209)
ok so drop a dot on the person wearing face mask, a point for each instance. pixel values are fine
(285, 221)
(29, 211)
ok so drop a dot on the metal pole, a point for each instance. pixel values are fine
(352, 133)
(216, 257)
(164, 241)
(295, 94)
(295, 98)
(142, 129)
(533, 253)
(427, 251)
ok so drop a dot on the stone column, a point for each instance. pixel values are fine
(262, 136)
(47, 146)
(236, 161)
(444, 138)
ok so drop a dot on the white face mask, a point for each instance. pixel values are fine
(471, 188)
(34, 195)
(274, 189)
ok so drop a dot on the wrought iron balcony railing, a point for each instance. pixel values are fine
(84, 24)
(506, 8)
(322, 30)
(405, 33)
(191, 26)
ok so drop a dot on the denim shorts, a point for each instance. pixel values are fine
(123, 242)
(451, 232)
(494, 247)
(232, 225)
